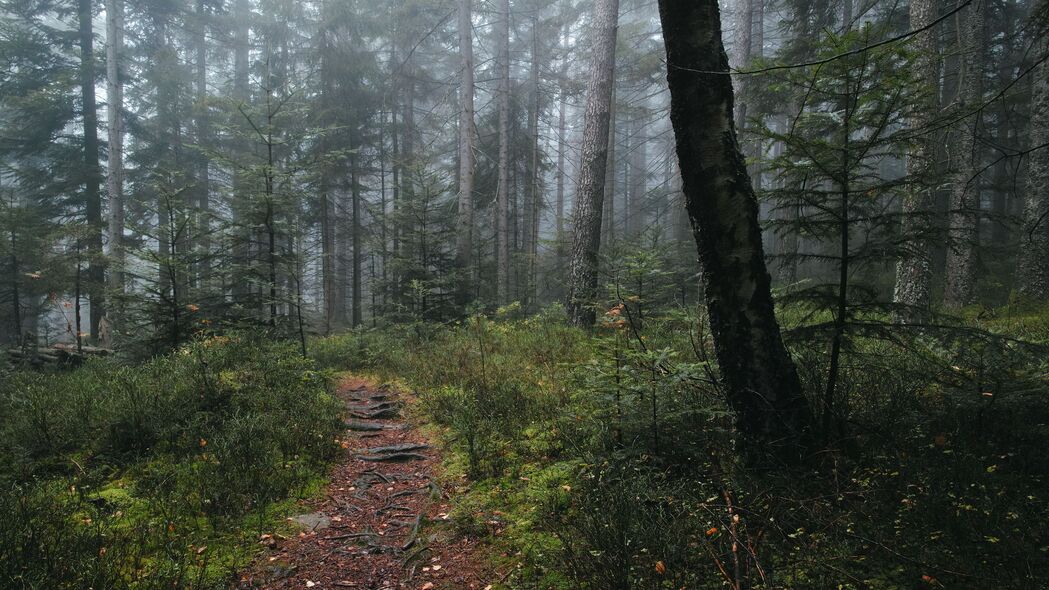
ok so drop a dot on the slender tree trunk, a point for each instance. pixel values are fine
(16, 298)
(638, 166)
(760, 380)
(92, 173)
(914, 269)
(355, 237)
(534, 201)
(115, 129)
(965, 193)
(586, 241)
(327, 254)
(561, 147)
(464, 243)
(608, 216)
(502, 196)
(1033, 272)
(343, 256)
(203, 187)
(242, 246)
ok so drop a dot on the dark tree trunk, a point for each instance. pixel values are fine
(502, 199)
(914, 270)
(960, 289)
(203, 136)
(1033, 275)
(759, 377)
(586, 241)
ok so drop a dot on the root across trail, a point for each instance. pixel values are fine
(370, 530)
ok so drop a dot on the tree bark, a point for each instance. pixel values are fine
(203, 180)
(582, 280)
(115, 132)
(760, 381)
(914, 269)
(965, 194)
(534, 200)
(561, 147)
(638, 173)
(92, 172)
(1033, 272)
(502, 196)
(355, 237)
(464, 244)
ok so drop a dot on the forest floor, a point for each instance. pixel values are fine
(382, 523)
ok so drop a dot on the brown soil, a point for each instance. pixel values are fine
(379, 525)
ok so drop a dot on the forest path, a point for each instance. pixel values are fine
(369, 530)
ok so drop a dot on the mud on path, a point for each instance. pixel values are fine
(369, 531)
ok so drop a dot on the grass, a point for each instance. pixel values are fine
(161, 474)
(608, 461)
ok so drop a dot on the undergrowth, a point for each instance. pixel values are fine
(162, 474)
(607, 460)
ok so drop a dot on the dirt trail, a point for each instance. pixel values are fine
(370, 530)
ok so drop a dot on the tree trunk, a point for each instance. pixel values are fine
(242, 246)
(92, 173)
(464, 243)
(355, 237)
(965, 193)
(608, 215)
(203, 188)
(762, 385)
(502, 197)
(115, 130)
(914, 269)
(638, 173)
(1033, 272)
(533, 203)
(582, 280)
(561, 147)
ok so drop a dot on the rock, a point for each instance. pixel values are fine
(314, 521)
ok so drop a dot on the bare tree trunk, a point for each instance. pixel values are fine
(464, 244)
(502, 206)
(203, 137)
(760, 380)
(92, 173)
(561, 147)
(355, 237)
(1033, 273)
(327, 254)
(533, 202)
(965, 194)
(582, 280)
(115, 130)
(608, 216)
(242, 246)
(638, 172)
(914, 269)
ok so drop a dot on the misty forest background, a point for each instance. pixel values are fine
(208, 208)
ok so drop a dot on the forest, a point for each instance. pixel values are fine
(524, 294)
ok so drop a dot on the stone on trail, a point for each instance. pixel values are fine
(314, 521)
